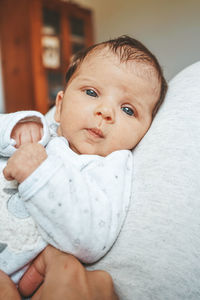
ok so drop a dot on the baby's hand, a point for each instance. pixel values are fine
(24, 161)
(27, 132)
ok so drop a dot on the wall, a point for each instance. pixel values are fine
(171, 29)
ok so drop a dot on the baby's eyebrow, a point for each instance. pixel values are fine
(130, 95)
(86, 79)
(137, 103)
(133, 99)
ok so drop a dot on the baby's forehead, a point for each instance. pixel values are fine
(99, 52)
(143, 67)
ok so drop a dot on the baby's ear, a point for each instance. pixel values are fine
(59, 99)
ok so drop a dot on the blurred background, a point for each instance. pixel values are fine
(38, 37)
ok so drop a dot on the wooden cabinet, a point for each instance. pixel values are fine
(38, 38)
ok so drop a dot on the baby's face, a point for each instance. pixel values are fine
(107, 105)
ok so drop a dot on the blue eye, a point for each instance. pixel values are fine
(91, 93)
(129, 111)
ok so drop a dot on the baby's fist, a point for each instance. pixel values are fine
(27, 132)
(24, 162)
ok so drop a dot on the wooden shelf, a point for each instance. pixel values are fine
(37, 39)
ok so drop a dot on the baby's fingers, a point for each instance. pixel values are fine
(36, 133)
(7, 173)
(27, 132)
(21, 135)
(16, 136)
(24, 138)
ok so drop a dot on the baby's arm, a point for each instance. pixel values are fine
(79, 204)
(10, 124)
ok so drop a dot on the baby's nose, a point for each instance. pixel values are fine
(106, 112)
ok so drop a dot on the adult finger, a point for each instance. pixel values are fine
(65, 278)
(33, 277)
(8, 289)
(36, 273)
(37, 294)
(58, 270)
(97, 280)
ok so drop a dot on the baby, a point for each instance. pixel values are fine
(74, 193)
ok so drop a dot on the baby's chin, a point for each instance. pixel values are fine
(88, 150)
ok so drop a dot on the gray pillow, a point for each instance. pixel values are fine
(157, 255)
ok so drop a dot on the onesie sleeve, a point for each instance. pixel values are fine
(79, 202)
(7, 123)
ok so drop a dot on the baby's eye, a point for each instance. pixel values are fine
(129, 111)
(91, 93)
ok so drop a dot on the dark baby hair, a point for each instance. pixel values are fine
(128, 49)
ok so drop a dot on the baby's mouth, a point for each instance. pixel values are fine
(95, 132)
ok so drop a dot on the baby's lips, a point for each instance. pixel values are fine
(97, 132)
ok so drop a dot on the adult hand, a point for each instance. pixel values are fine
(24, 161)
(64, 277)
(8, 289)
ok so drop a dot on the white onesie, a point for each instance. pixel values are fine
(77, 203)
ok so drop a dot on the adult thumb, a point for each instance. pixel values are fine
(8, 289)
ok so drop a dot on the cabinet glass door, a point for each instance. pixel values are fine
(51, 52)
(77, 34)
